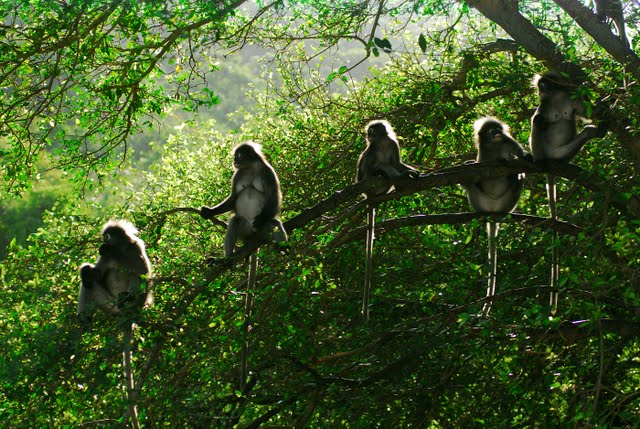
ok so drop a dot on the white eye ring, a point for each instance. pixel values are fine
(107, 237)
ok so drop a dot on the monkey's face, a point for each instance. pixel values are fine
(377, 131)
(244, 156)
(491, 133)
(550, 90)
(115, 236)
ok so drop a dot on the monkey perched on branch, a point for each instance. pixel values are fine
(255, 199)
(499, 195)
(381, 157)
(554, 136)
(113, 283)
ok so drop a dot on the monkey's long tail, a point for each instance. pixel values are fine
(371, 223)
(555, 258)
(248, 303)
(128, 374)
(492, 238)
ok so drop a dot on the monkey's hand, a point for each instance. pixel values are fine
(602, 130)
(87, 275)
(105, 250)
(527, 157)
(592, 131)
(411, 173)
(84, 319)
(127, 300)
(225, 261)
(206, 212)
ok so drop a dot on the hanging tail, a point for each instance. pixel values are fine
(555, 258)
(492, 237)
(371, 221)
(246, 326)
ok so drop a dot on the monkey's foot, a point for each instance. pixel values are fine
(282, 247)
(225, 261)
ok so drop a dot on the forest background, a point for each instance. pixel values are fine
(128, 109)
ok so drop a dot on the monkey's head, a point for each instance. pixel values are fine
(379, 129)
(117, 233)
(558, 94)
(489, 130)
(550, 83)
(246, 154)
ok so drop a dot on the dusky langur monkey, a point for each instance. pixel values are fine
(500, 195)
(554, 136)
(380, 157)
(113, 284)
(256, 201)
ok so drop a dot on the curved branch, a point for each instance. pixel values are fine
(601, 33)
(505, 13)
(454, 218)
(629, 204)
(216, 221)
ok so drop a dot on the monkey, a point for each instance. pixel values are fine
(256, 200)
(113, 285)
(554, 136)
(500, 195)
(380, 157)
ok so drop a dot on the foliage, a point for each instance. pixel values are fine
(425, 359)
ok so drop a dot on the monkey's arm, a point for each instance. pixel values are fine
(225, 206)
(401, 168)
(361, 173)
(88, 275)
(138, 263)
(517, 149)
(386, 169)
(538, 136)
(271, 206)
(407, 170)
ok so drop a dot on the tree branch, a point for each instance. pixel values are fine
(382, 227)
(601, 33)
(621, 199)
(505, 13)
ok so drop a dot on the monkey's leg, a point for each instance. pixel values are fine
(238, 227)
(555, 262)
(573, 146)
(280, 236)
(96, 296)
(128, 376)
(492, 237)
(371, 222)
(248, 303)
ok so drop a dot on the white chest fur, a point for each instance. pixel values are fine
(251, 196)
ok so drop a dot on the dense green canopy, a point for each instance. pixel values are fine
(118, 109)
